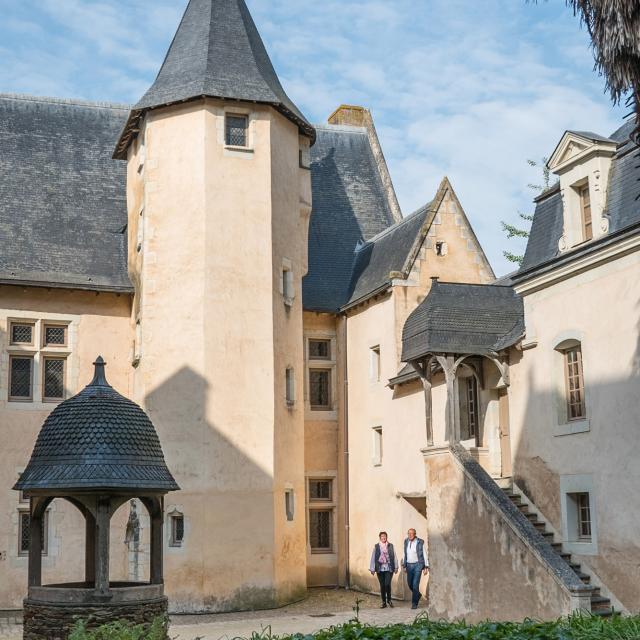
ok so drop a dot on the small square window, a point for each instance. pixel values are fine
(441, 248)
(53, 379)
(320, 530)
(289, 504)
(319, 349)
(236, 130)
(20, 378)
(377, 446)
(320, 389)
(176, 534)
(54, 335)
(320, 490)
(24, 533)
(21, 333)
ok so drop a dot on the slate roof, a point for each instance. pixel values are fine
(386, 252)
(62, 198)
(216, 52)
(463, 319)
(97, 440)
(623, 206)
(349, 206)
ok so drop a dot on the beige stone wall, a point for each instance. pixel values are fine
(214, 342)
(479, 567)
(599, 307)
(97, 324)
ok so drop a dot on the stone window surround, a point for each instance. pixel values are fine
(570, 484)
(171, 511)
(289, 502)
(322, 505)
(375, 363)
(171, 517)
(286, 282)
(221, 124)
(331, 363)
(290, 387)
(564, 426)
(377, 451)
(38, 353)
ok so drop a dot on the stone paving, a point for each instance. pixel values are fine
(321, 609)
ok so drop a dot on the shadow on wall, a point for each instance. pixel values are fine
(334, 233)
(226, 499)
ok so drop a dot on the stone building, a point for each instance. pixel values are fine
(317, 365)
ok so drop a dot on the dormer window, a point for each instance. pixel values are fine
(585, 208)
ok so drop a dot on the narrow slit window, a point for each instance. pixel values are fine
(53, 379)
(236, 130)
(287, 286)
(289, 506)
(377, 446)
(20, 378)
(574, 378)
(585, 206)
(374, 364)
(177, 530)
(468, 394)
(290, 386)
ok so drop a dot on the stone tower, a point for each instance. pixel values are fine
(219, 195)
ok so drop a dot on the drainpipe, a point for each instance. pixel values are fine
(346, 454)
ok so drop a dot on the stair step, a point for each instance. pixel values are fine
(540, 526)
(576, 566)
(565, 556)
(604, 613)
(548, 535)
(600, 601)
(557, 546)
(585, 577)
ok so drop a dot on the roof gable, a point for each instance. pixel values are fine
(216, 52)
(575, 146)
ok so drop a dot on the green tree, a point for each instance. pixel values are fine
(514, 231)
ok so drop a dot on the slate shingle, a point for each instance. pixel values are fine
(98, 439)
(62, 198)
(463, 319)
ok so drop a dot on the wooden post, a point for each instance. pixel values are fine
(90, 548)
(35, 543)
(103, 517)
(156, 541)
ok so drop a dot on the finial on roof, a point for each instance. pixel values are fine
(99, 378)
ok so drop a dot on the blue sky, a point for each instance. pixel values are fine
(464, 88)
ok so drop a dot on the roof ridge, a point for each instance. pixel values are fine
(393, 227)
(76, 102)
(477, 284)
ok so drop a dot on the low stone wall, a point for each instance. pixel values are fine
(487, 560)
(45, 621)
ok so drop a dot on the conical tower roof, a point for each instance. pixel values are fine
(97, 440)
(216, 52)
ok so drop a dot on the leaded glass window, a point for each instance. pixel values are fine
(320, 490)
(55, 335)
(320, 389)
(236, 130)
(24, 533)
(320, 535)
(319, 349)
(177, 530)
(53, 379)
(21, 378)
(21, 333)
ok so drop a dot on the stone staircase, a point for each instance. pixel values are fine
(600, 605)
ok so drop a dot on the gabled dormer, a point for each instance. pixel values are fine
(582, 161)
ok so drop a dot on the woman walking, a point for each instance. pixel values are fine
(384, 565)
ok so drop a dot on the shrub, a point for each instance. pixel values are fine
(157, 630)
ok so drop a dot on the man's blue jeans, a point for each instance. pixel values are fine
(414, 573)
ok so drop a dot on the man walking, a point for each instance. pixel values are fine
(416, 564)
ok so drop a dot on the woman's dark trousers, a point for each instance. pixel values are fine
(384, 578)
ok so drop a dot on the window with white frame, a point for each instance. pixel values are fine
(377, 446)
(37, 360)
(574, 382)
(321, 514)
(578, 511)
(580, 504)
(374, 363)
